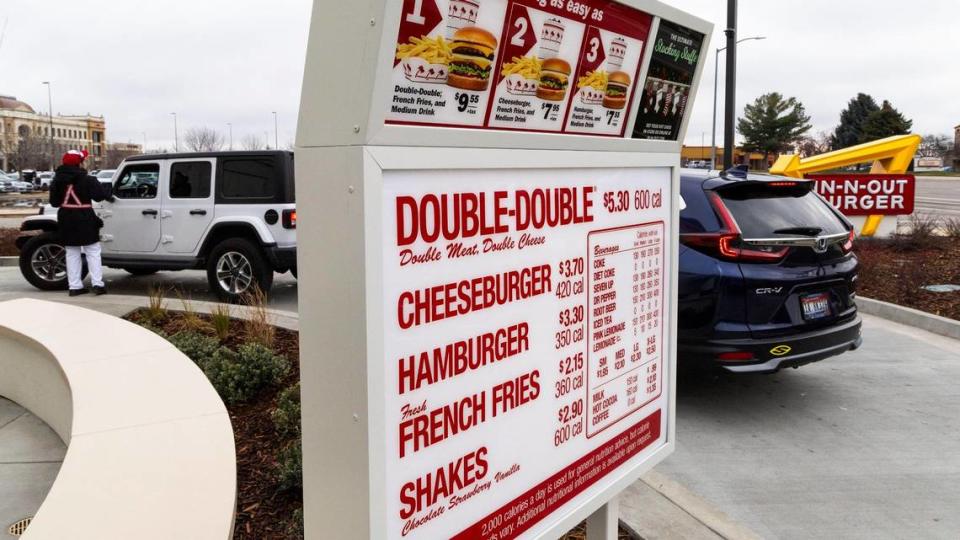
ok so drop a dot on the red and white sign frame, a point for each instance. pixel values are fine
(345, 149)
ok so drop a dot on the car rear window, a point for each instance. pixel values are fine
(249, 178)
(771, 212)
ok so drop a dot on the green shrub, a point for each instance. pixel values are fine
(286, 417)
(198, 347)
(238, 376)
(290, 466)
(155, 329)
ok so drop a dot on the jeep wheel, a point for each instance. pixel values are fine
(141, 271)
(43, 262)
(235, 267)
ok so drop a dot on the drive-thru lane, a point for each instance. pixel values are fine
(191, 284)
(865, 445)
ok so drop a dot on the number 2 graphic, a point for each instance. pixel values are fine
(521, 24)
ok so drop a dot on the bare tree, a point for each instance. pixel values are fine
(115, 156)
(203, 139)
(814, 145)
(252, 142)
(935, 146)
(31, 153)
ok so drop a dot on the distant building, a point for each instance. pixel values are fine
(956, 148)
(702, 154)
(25, 135)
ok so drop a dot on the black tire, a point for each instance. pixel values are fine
(141, 271)
(241, 263)
(43, 263)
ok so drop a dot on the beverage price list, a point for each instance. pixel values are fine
(525, 316)
(552, 66)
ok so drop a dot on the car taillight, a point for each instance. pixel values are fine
(289, 219)
(728, 243)
(848, 245)
(739, 356)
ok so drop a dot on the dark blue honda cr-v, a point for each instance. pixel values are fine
(767, 274)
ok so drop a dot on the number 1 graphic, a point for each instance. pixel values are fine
(416, 17)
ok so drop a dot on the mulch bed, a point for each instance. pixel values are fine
(263, 510)
(7, 239)
(895, 270)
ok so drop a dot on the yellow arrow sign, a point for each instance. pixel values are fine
(888, 156)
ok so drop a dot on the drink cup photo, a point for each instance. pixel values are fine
(616, 54)
(462, 13)
(551, 38)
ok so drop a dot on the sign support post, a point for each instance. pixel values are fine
(487, 261)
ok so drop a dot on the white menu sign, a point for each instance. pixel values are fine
(525, 325)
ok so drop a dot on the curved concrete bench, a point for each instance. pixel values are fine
(150, 449)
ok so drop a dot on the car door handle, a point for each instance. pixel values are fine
(198, 212)
(150, 213)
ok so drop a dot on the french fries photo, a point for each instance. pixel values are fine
(527, 67)
(431, 50)
(595, 79)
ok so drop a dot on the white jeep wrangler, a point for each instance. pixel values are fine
(230, 213)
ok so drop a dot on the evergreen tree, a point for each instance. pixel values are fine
(884, 123)
(773, 124)
(850, 130)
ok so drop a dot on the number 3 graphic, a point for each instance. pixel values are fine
(594, 50)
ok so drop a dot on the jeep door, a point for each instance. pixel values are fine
(132, 223)
(187, 204)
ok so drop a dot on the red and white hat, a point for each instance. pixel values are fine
(74, 158)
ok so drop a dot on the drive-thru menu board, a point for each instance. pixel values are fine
(555, 66)
(525, 321)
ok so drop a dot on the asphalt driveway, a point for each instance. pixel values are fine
(865, 445)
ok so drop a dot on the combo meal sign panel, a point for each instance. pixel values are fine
(555, 66)
(525, 331)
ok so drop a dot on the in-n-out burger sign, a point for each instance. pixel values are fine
(868, 194)
(462, 216)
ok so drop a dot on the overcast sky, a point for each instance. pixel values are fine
(220, 61)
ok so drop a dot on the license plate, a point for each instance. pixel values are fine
(815, 306)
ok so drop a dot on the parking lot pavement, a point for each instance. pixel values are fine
(191, 284)
(864, 445)
(938, 196)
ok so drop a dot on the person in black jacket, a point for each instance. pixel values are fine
(73, 191)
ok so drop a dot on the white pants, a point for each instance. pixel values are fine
(75, 265)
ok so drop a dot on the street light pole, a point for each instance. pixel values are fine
(230, 125)
(731, 96)
(176, 134)
(53, 150)
(716, 84)
(276, 132)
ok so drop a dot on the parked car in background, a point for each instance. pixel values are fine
(23, 187)
(232, 214)
(105, 175)
(767, 276)
(43, 180)
(6, 186)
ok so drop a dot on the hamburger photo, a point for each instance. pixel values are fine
(554, 79)
(617, 87)
(473, 50)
